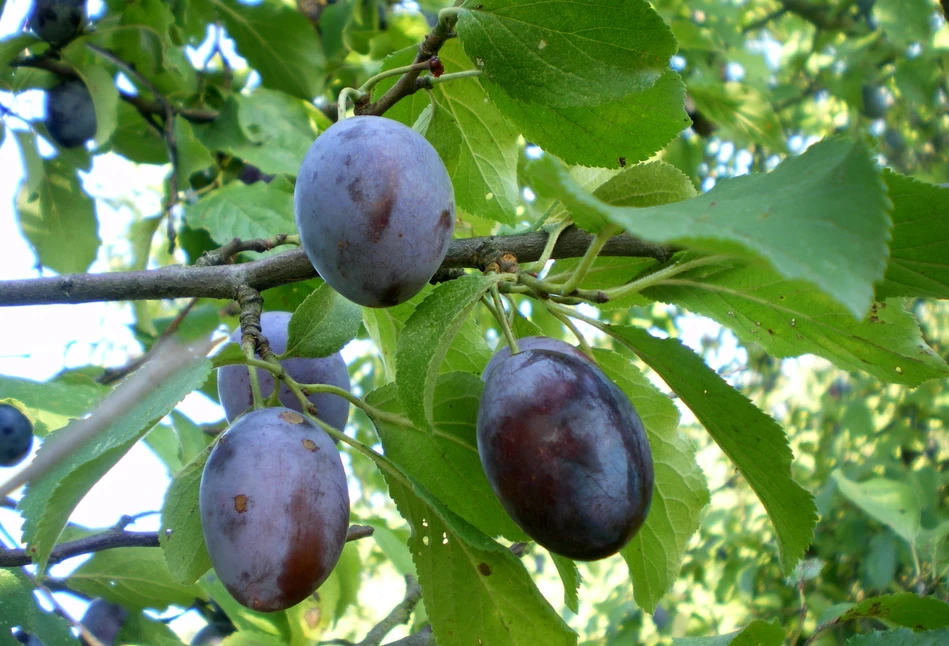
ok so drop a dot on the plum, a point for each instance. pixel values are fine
(565, 452)
(534, 343)
(213, 633)
(57, 21)
(375, 210)
(70, 113)
(233, 382)
(274, 508)
(104, 620)
(16, 436)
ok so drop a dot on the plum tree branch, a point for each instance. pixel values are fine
(288, 267)
(114, 538)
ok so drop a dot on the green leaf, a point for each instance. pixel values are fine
(181, 537)
(20, 610)
(192, 156)
(105, 98)
(10, 48)
(163, 441)
(192, 439)
(393, 545)
(680, 493)
(622, 131)
(919, 251)
(280, 130)
(489, 597)
(903, 609)
(260, 210)
(426, 337)
(904, 21)
(445, 459)
(323, 324)
(757, 633)
(135, 140)
(477, 145)
(134, 577)
(51, 404)
(141, 36)
(890, 502)
(751, 439)
(59, 219)
(566, 54)
(788, 318)
(270, 623)
(348, 569)
(570, 576)
(900, 637)
(820, 217)
(51, 499)
(139, 628)
(278, 42)
(251, 638)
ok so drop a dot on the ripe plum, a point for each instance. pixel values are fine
(375, 210)
(70, 113)
(274, 508)
(534, 343)
(566, 453)
(16, 436)
(233, 382)
(57, 21)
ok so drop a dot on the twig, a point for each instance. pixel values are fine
(288, 267)
(115, 538)
(224, 254)
(111, 375)
(424, 637)
(758, 24)
(399, 615)
(406, 85)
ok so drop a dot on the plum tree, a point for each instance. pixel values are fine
(534, 343)
(274, 508)
(70, 113)
(233, 382)
(375, 210)
(16, 436)
(104, 620)
(57, 21)
(565, 452)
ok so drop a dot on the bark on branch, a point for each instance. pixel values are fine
(114, 538)
(289, 267)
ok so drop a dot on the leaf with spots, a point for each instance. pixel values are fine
(566, 53)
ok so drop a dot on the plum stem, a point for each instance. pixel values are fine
(347, 94)
(587, 348)
(502, 320)
(248, 348)
(596, 245)
(552, 238)
(366, 87)
(659, 276)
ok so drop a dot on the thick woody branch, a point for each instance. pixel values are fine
(289, 267)
(115, 538)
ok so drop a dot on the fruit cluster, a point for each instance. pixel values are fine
(562, 446)
(70, 110)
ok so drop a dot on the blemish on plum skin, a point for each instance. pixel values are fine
(240, 503)
(484, 569)
(310, 445)
(291, 417)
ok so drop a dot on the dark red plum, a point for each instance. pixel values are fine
(233, 382)
(57, 21)
(534, 343)
(566, 453)
(375, 210)
(274, 508)
(70, 114)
